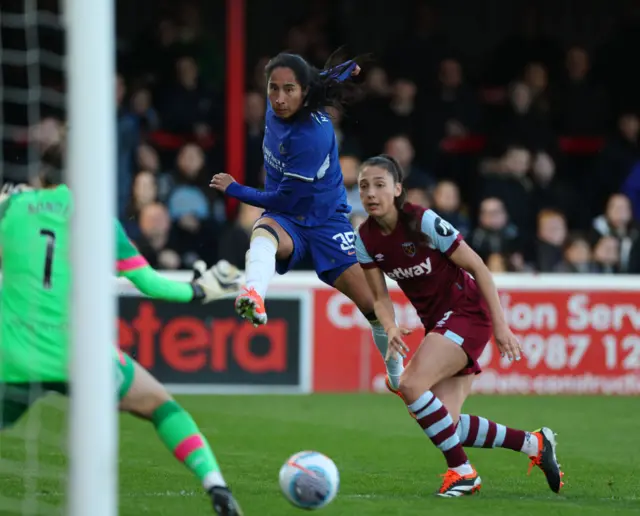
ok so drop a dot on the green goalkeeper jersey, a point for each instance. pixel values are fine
(35, 229)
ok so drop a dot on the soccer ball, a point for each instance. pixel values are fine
(309, 480)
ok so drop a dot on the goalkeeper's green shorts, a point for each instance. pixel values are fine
(16, 398)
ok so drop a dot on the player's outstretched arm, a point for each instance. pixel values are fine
(283, 199)
(207, 284)
(303, 162)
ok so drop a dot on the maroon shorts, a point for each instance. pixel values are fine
(470, 328)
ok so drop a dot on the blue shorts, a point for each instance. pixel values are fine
(330, 245)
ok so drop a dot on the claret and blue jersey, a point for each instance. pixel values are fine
(304, 192)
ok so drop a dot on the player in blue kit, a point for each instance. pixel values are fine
(304, 198)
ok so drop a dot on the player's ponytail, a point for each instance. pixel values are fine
(329, 87)
(405, 215)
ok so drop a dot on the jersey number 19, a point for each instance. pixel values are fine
(48, 259)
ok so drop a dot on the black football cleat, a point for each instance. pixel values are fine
(224, 504)
(546, 458)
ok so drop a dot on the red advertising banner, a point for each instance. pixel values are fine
(575, 342)
(208, 348)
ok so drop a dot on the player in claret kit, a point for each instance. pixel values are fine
(305, 199)
(431, 264)
(35, 320)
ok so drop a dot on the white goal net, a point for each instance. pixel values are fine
(50, 464)
(33, 452)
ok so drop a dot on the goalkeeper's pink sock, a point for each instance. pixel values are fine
(179, 432)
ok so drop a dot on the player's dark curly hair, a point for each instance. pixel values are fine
(405, 215)
(323, 87)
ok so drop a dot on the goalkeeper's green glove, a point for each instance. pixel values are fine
(221, 280)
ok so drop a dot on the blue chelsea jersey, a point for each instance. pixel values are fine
(304, 153)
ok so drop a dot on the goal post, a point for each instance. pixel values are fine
(91, 176)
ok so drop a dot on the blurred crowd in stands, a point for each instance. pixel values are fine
(538, 165)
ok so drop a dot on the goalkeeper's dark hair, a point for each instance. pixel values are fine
(52, 165)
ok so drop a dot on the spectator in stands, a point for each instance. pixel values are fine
(380, 118)
(419, 196)
(536, 78)
(376, 84)
(618, 223)
(347, 143)
(350, 166)
(547, 190)
(148, 158)
(576, 256)
(634, 258)
(620, 154)
(149, 161)
(144, 192)
(191, 207)
(188, 107)
(234, 240)
(551, 236)
(452, 110)
(446, 202)
(258, 78)
(400, 148)
(521, 125)
(507, 179)
(581, 107)
(402, 115)
(368, 109)
(128, 137)
(189, 195)
(254, 110)
(607, 255)
(494, 234)
(142, 106)
(156, 242)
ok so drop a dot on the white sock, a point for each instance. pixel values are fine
(213, 479)
(465, 469)
(261, 264)
(394, 366)
(530, 445)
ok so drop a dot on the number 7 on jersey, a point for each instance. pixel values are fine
(48, 259)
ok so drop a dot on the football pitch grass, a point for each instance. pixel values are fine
(387, 465)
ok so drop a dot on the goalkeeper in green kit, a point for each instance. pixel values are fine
(35, 327)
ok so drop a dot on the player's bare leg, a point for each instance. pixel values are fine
(268, 243)
(436, 359)
(479, 432)
(148, 399)
(353, 284)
